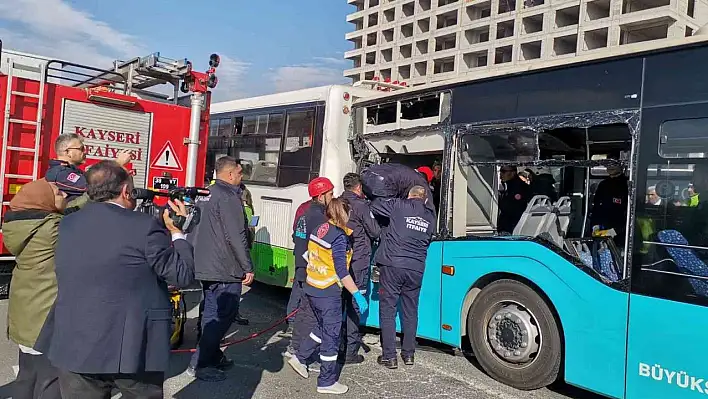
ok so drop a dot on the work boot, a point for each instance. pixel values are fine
(388, 363)
(210, 374)
(225, 363)
(299, 368)
(408, 360)
(241, 321)
(289, 351)
(288, 332)
(336, 389)
(354, 358)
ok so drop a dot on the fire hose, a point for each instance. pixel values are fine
(227, 343)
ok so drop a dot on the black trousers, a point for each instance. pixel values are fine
(221, 303)
(396, 285)
(352, 343)
(37, 378)
(303, 322)
(99, 386)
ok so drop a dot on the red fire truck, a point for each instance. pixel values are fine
(112, 109)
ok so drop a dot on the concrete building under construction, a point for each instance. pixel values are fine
(423, 41)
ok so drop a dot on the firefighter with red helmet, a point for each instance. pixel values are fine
(308, 216)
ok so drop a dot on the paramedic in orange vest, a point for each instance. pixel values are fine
(309, 216)
(329, 253)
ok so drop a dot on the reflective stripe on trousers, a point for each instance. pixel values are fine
(324, 338)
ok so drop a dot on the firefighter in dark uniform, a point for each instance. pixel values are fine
(393, 180)
(64, 170)
(401, 261)
(513, 199)
(364, 229)
(609, 205)
(308, 216)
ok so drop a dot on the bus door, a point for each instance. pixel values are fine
(668, 308)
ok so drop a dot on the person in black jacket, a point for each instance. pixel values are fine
(609, 204)
(223, 266)
(112, 313)
(513, 199)
(364, 229)
(401, 259)
(393, 180)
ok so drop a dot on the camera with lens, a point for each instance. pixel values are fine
(187, 195)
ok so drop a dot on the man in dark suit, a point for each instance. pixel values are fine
(112, 315)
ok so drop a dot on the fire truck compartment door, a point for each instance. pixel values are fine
(107, 130)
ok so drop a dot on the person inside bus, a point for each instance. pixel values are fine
(308, 216)
(542, 182)
(652, 197)
(329, 255)
(401, 260)
(435, 184)
(30, 231)
(513, 198)
(609, 204)
(64, 170)
(364, 229)
(693, 196)
(695, 229)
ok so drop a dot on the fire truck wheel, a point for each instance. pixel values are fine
(514, 335)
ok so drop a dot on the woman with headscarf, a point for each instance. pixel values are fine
(30, 231)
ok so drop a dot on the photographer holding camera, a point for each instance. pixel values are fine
(223, 262)
(112, 316)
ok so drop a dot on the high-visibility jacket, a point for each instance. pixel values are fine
(693, 200)
(322, 272)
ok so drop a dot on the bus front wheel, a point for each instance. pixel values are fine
(514, 335)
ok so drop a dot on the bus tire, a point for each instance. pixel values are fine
(514, 335)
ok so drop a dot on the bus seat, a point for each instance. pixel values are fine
(557, 222)
(606, 264)
(595, 254)
(686, 259)
(532, 221)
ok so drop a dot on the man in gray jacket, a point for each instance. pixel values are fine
(223, 265)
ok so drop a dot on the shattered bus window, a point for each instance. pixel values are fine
(517, 146)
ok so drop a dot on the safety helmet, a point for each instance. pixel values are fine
(427, 172)
(319, 186)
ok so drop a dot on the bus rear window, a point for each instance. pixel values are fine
(684, 138)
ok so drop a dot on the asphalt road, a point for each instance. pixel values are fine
(261, 371)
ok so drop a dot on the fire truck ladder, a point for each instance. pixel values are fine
(11, 95)
(142, 73)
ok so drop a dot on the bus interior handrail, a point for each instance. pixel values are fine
(663, 244)
(676, 274)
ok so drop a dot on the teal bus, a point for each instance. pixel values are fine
(554, 301)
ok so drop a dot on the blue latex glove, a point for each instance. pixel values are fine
(361, 302)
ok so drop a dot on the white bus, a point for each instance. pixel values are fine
(284, 140)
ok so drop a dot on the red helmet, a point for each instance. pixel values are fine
(427, 172)
(319, 186)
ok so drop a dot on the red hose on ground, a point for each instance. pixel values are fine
(226, 344)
